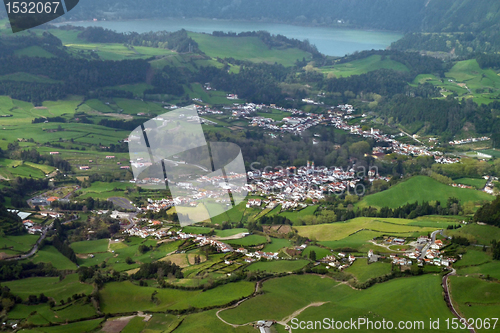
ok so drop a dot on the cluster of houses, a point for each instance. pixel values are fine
(290, 186)
(341, 262)
(469, 140)
(32, 228)
(445, 160)
(202, 240)
(145, 232)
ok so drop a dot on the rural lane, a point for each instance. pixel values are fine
(448, 300)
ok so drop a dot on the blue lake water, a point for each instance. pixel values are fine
(330, 41)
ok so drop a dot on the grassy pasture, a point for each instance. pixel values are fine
(50, 286)
(246, 48)
(26, 77)
(363, 272)
(481, 234)
(49, 254)
(248, 240)
(361, 66)
(491, 268)
(320, 252)
(296, 215)
(78, 327)
(420, 188)
(211, 97)
(278, 266)
(340, 230)
(230, 232)
(283, 296)
(117, 297)
(94, 246)
(473, 257)
(475, 298)
(115, 51)
(276, 244)
(33, 51)
(207, 322)
(477, 183)
(22, 243)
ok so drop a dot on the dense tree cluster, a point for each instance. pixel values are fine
(178, 41)
(489, 213)
(158, 268)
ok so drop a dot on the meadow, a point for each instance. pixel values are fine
(79, 327)
(362, 66)
(207, 322)
(278, 266)
(477, 183)
(282, 296)
(276, 245)
(118, 297)
(340, 230)
(93, 246)
(475, 233)
(420, 188)
(50, 286)
(248, 240)
(22, 243)
(49, 254)
(246, 48)
(473, 257)
(363, 271)
(475, 298)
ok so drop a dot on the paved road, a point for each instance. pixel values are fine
(122, 202)
(433, 239)
(35, 247)
(449, 302)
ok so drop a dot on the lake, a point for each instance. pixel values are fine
(329, 41)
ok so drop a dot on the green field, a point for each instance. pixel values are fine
(118, 297)
(207, 322)
(246, 48)
(21, 244)
(79, 327)
(50, 286)
(363, 272)
(230, 232)
(276, 244)
(49, 254)
(480, 234)
(473, 257)
(320, 252)
(278, 266)
(420, 188)
(361, 66)
(491, 268)
(297, 215)
(340, 230)
(477, 183)
(94, 246)
(416, 298)
(118, 51)
(248, 240)
(34, 51)
(475, 298)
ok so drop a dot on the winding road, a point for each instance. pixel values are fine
(449, 302)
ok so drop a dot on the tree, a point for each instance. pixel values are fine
(312, 255)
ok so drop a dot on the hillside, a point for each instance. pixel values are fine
(397, 15)
(421, 188)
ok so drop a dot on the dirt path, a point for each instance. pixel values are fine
(237, 236)
(285, 320)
